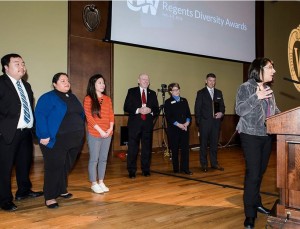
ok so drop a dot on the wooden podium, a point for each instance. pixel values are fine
(287, 127)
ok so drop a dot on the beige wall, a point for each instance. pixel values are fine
(280, 19)
(38, 32)
(165, 67)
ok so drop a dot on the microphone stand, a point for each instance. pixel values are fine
(290, 80)
(163, 126)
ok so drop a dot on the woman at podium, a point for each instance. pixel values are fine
(255, 102)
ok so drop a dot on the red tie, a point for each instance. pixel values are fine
(143, 116)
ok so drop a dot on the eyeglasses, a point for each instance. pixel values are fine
(270, 67)
(175, 89)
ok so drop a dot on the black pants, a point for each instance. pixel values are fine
(257, 150)
(58, 162)
(209, 132)
(139, 132)
(20, 153)
(179, 139)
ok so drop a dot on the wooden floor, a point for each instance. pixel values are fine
(203, 200)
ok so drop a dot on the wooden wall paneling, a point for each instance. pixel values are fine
(76, 25)
(228, 134)
(227, 131)
(120, 120)
(87, 53)
(89, 57)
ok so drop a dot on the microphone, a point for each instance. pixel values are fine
(293, 81)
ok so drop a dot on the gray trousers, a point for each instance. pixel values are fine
(98, 150)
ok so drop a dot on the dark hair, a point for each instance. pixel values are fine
(91, 91)
(6, 59)
(171, 85)
(57, 76)
(256, 68)
(212, 75)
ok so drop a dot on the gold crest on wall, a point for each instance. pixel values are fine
(293, 56)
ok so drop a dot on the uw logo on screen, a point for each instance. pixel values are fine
(144, 5)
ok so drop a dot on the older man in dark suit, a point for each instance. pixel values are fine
(16, 121)
(209, 110)
(142, 106)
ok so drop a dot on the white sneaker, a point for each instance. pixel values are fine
(103, 187)
(97, 189)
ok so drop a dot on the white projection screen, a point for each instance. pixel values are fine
(219, 29)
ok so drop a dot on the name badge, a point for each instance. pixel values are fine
(173, 102)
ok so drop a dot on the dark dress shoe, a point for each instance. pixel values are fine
(249, 222)
(66, 196)
(52, 206)
(263, 210)
(33, 194)
(9, 206)
(131, 175)
(204, 169)
(175, 171)
(188, 172)
(218, 167)
(30, 194)
(146, 174)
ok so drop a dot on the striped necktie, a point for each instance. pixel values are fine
(24, 103)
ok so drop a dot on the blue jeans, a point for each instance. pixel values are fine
(98, 150)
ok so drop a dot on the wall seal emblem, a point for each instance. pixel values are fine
(91, 17)
(293, 55)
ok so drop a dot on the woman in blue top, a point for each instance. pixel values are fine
(178, 117)
(60, 131)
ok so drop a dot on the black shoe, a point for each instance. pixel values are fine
(175, 171)
(30, 194)
(188, 172)
(263, 210)
(204, 169)
(249, 222)
(218, 167)
(9, 206)
(131, 175)
(66, 196)
(52, 206)
(146, 174)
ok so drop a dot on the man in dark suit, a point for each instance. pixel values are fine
(16, 121)
(142, 106)
(209, 110)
